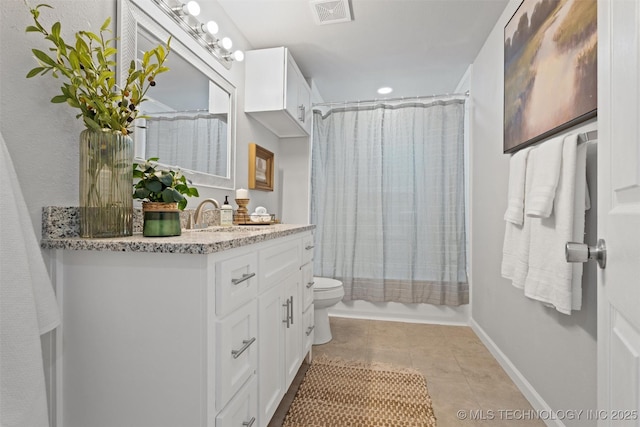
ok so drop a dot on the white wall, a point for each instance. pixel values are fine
(42, 138)
(551, 355)
(294, 173)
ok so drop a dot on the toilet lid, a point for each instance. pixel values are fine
(323, 283)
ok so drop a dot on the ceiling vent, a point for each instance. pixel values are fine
(330, 11)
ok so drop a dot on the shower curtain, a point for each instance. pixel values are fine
(388, 201)
(194, 141)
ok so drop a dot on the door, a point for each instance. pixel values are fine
(619, 212)
(271, 388)
(293, 328)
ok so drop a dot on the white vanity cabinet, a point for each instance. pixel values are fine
(276, 92)
(170, 339)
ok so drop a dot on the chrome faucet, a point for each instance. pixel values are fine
(198, 222)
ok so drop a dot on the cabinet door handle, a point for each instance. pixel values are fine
(287, 318)
(245, 345)
(244, 277)
(310, 329)
(301, 113)
(291, 309)
(250, 422)
(308, 248)
(310, 284)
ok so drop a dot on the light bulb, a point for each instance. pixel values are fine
(385, 90)
(210, 27)
(193, 8)
(238, 55)
(226, 43)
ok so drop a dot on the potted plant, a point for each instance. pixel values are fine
(86, 68)
(163, 193)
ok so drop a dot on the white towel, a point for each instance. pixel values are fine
(515, 249)
(28, 308)
(550, 278)
(546, 161)
(515, 201)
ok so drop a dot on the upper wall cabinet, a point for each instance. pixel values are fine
(276, 93)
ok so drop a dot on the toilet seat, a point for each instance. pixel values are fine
(321, 284)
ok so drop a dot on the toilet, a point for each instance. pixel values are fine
(326, 293)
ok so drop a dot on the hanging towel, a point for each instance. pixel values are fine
(546, 161)
(515, 249)
(550, 278)
(28, 308)
(583, 204)
(515, 202)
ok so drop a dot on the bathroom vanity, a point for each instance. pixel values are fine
(205, 329)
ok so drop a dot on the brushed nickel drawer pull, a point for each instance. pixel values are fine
(310, 329)
(250, 422)
(288, 318)
(245, 345)
(310, 284)
(244, 278)
(310, 247)
(291, 310)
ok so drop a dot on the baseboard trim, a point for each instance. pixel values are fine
(516, 376)
(396, 312)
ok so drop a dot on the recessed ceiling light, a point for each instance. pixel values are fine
(385, 90)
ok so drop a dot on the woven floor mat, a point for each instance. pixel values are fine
(339, 393)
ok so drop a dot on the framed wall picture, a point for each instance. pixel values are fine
(550, 69)
(260, 168)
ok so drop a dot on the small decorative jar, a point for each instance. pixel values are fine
(161, 219)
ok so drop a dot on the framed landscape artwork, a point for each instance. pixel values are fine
(550, 69)
(260, 168)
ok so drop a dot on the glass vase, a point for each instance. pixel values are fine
(106, 201)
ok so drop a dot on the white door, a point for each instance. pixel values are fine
(619, 212)
(293, 329)
(271, 387)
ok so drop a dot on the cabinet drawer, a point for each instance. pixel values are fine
(307, 285)
(242, 410)
(236, 282)
(307, 248)
(236, 342)
(277, 262)
(308, 325)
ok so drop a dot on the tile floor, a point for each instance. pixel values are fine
(461, 373)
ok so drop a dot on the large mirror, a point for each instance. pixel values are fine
(190, 112)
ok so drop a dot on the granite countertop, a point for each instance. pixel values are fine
(59, 231)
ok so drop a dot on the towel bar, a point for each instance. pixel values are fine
(591, 135)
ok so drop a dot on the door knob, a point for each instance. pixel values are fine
(580, 252)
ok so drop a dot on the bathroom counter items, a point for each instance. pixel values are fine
(58, 233)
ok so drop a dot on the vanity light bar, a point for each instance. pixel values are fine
(202, 33)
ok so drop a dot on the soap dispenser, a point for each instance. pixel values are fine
(226, 213)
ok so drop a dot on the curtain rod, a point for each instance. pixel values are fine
(401, 98)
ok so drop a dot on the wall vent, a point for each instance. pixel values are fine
(330, 11)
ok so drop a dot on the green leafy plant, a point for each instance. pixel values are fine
(87, 68)
(156, 185)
